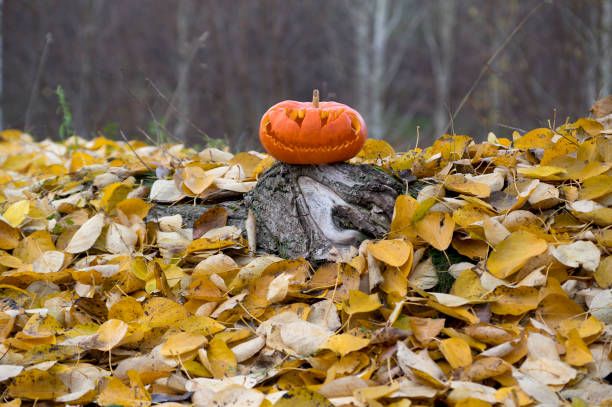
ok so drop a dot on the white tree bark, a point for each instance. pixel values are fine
(87, 38)
(605, 66)
(374, 22)
(380, 38)
(361, 22)
(184, 16)
(439, 37)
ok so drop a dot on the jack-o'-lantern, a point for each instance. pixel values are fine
(312, 132)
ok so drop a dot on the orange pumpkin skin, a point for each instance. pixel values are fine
(312, 132)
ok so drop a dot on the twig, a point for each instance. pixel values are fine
(511, 127)
(486, 66)
(165, 98)
(193, 51)
(164, 149)
(134, 151)
(39, 70)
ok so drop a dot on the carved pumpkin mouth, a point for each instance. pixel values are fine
(298, 147)
(312, 133)
(297, 116)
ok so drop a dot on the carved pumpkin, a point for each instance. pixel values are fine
(312, 132)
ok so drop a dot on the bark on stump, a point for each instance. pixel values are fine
(312, 211)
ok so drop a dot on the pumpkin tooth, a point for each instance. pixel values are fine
(292, 114)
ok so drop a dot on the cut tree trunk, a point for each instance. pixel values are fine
(316, 212)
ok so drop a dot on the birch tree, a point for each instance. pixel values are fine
(376, 67)
(438, 29)
(605, 64)
(180, 103)
(89, 17)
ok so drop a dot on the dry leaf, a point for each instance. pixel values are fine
(86, 236)
(513, 252)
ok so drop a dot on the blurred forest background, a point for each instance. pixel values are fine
(195, 67)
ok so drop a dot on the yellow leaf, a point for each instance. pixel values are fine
(17, 213)
(426, 329)
(467, 285)
(472, 402)
(603, 274)
(248, 162)
(590, 126)
(392, 252)
(576, 351)
(112, 194)
(9, 236)
(536, 138)
(12, 403)
(514, 301)
(513, 393)
(541, 171)
(513, 252)
(459, 183)
(557, 308)
(37, 384)
(451, 147)
(395, 280)
(461, 313)
(162, 312)
(203, 243)
(110, 334)
(345, 343)
(485, 368)
(369, 394)
(200, 325)
(196, 180)
(134, 207)
(589, 328)
(182, 342)
(80, 159)
(456, 351)
(11, 134)
(581, 171)
(127, 309)
(359, 301)
(116, 393)
(374, 149)
(221, 358)
(436, 228)
(300, 396)
(596, 187)
(403, 213)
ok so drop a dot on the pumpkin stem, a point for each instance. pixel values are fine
(315, 98)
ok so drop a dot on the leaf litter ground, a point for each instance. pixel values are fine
(493, 286)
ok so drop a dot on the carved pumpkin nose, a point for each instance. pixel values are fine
(312, 132)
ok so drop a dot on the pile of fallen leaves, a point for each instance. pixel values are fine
(491, 288)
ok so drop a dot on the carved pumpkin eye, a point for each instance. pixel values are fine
(312, 132)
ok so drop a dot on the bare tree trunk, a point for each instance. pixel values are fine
(1, 76)
(361, 13)
(374, 22)
(380, 37)
(439, 37)
(605, 66)
(87, 40)
(183, 23)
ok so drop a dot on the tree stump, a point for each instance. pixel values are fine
(317, 212)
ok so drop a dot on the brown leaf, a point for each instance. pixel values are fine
(212, 218)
